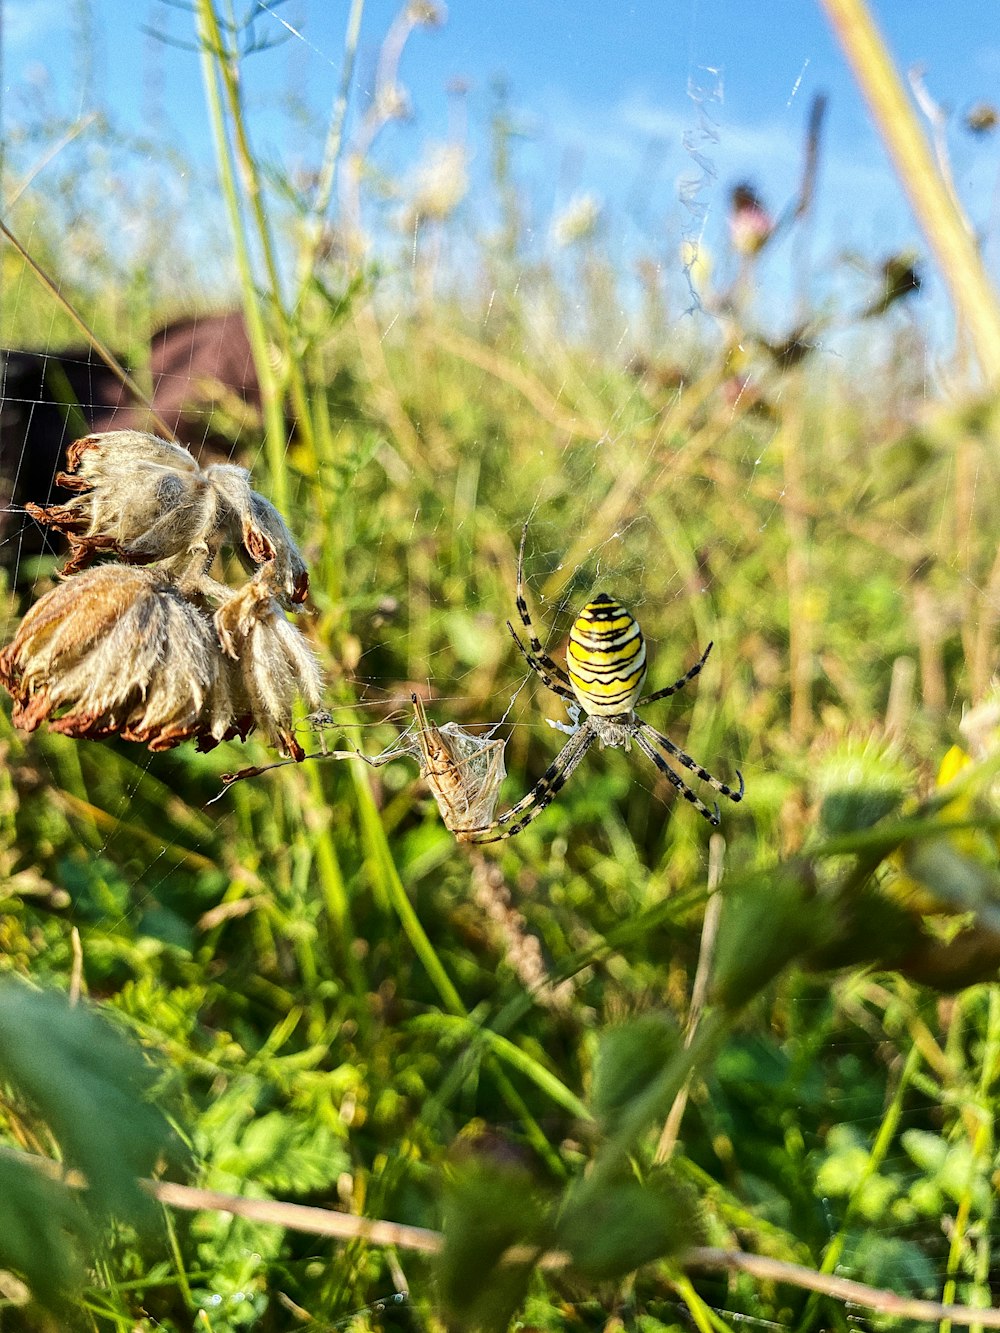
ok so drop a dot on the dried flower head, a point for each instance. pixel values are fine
(147, 500)
(118, 651)
(259, 534)
(578, 221)
(983, 118)
(270, 663)
(132, 649)
(425, 13)
(440, 184)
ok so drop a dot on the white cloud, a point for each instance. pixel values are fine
(24, 21)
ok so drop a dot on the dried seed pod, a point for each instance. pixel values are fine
(271, 664)
(148, 500)
(121, 650)
(259, 534)
(118, 651)
(139, 496)
(107, 453)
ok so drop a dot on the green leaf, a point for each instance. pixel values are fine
(489, 1206)
(957, 881)
(629, 1059)
(45, 1231)
(898, 1265)
(926, 1149)
(340, 304)
(612, 1227)
(850, 809)
(91, 1086)
(285, 1155)
(870, 928)
(767, 921)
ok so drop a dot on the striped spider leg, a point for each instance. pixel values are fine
(542, 794)
(549, 672)
(647, 737)
(678, 684)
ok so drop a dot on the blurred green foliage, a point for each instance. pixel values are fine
(344, 1008)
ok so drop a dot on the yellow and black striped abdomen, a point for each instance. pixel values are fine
(606, 657)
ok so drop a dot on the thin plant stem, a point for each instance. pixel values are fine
(704, 1317)
(883, 1141)
(331, 151)
(99, 346)
(250, 177)
(178, 1258)
(699, 989)
(332, 886)
(946, 228)
(348, 1226)
(800, 616)
(981, 1140)
(530, 1068)
(392, 891)
(270, 393)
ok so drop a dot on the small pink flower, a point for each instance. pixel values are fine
(750, 224)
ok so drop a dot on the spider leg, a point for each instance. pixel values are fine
(542, 794)
(713, 816)
(645, 730)
(541, 656)
(678, 684)
(554, 685)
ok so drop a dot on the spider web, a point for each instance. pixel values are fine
(616, 195)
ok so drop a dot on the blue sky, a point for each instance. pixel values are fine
(636, 104)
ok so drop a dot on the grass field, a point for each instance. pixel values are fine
(340, 1006)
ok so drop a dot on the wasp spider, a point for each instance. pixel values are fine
(604, 674)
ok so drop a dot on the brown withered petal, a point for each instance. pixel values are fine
(116, 650)
(271, 664)
(96, 457)
(259, 534)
